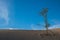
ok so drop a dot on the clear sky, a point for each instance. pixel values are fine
(24, 14)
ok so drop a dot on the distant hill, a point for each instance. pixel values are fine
(57, 30)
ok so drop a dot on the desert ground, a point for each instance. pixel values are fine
(29, 34)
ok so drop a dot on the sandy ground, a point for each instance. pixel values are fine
(28, 35)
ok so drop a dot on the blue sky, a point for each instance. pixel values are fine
(24, 14)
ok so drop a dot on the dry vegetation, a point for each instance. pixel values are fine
(28, 35)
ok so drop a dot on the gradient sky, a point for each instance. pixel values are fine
(24, 14)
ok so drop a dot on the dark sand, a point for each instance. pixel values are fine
(28, 35)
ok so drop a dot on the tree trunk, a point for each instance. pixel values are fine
(46, 23)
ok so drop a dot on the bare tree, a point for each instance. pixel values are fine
(44, 14)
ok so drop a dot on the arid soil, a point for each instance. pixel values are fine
(29, 35)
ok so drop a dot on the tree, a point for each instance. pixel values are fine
(44, 14)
